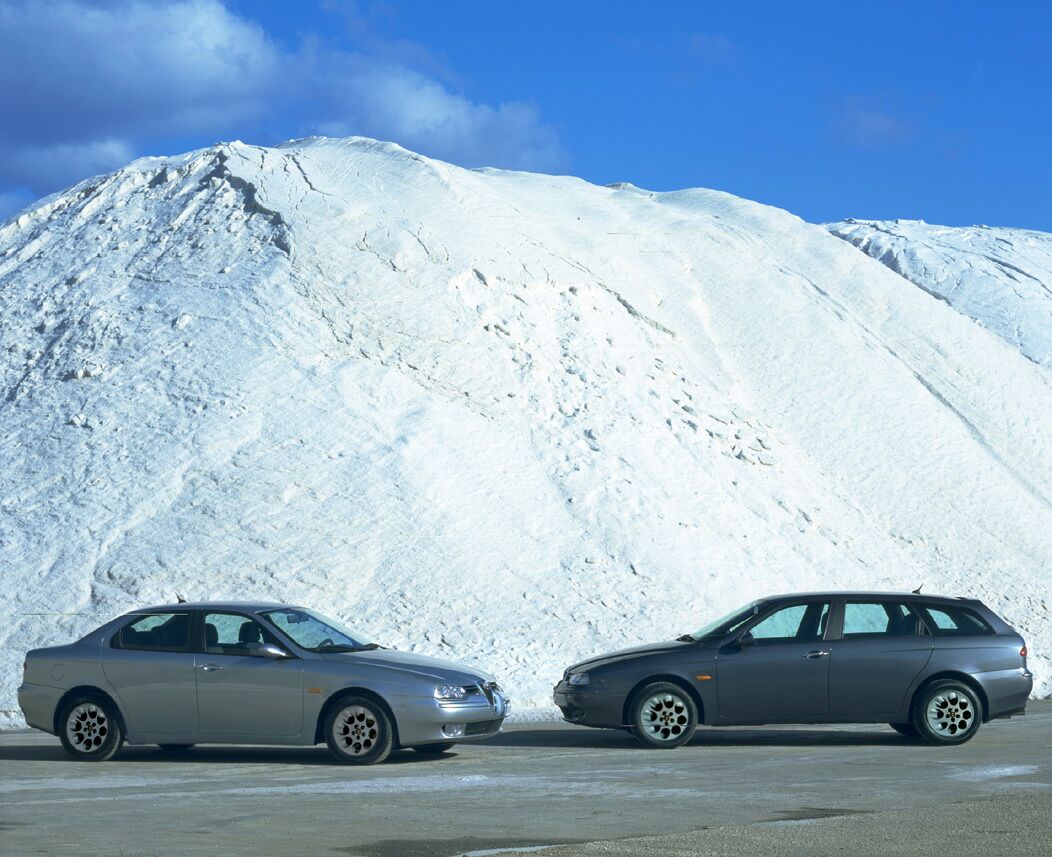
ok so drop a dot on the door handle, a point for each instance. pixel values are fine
(208, 668)
(816, 654)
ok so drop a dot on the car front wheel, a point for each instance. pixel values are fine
(663, 715)
(358, 731)
(89, 730)
(947, 712)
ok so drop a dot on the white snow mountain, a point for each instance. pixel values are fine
(508, 418)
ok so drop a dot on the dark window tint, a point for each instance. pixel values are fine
(158, 632)
(797, 622)
(233, 634)
(955, 621)
(879, 618)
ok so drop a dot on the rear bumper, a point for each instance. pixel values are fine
(38, 702)
(1006, 691)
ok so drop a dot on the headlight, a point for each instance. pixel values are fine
(450, 691)
(578, 680)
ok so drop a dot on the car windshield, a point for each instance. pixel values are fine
(315, 632)
(726, 624)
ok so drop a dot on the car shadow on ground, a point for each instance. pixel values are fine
(212, 755)
(612, 739)
(574, 737)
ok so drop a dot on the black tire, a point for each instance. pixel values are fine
(907, 729)
(662, 715)
(359, 731)
(89, 728)
(434, 749)
(175, 748)
(947, 712)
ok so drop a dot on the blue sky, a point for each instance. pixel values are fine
(939, 111)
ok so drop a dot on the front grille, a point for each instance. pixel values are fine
(482, 727)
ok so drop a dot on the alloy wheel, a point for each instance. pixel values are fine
(87, 727)
(950, 713)
(664, 716)
(356, 730)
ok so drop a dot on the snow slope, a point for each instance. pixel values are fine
(508, 418)
(1001, 278)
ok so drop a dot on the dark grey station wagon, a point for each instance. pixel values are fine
(931, 667)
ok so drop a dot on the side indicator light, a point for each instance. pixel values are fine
(313, 690)
(703, 677)
(1022, 651)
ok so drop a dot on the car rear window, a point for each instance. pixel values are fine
(954, 621)
(158, 632)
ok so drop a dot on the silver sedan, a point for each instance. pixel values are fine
(251, 673)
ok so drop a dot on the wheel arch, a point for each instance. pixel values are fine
(665, 677)
(88, 690)
(964, 678)
(337, 695)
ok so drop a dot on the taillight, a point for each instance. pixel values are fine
(1022, 651)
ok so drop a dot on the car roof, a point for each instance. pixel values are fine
(877, 595)
(241, 606)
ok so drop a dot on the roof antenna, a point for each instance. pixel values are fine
(180, 598)
(918, 589)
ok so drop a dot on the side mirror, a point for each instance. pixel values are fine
(733, 646)
(269, 650)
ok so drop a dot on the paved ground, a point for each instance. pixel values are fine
(828, 790)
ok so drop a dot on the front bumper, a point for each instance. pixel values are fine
(588, 706)
(38, 703)
(426, 721)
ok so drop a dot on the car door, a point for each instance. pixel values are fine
(882, 646)
(150, 665)
(779, 670)
(241, 694)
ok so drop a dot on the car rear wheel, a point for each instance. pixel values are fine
(89, 730)
(434, 749)
(662, 715)
(907, 729)
(358, 731)
(947, 712)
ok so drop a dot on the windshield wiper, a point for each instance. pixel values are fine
(343, 648)
(686, 638)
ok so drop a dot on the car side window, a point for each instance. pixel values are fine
(158, 632)
(955, 622)
(880, 619)
(234, 634)
(798, 622)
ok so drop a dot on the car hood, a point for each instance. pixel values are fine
(628, 654)
(421, 665)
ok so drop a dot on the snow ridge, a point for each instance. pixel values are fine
(1001, 278)
(508, 418)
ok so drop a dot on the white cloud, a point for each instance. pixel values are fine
(867, 127)
(712, 49)
(383, 100)
(88, 85)
(64, 163)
